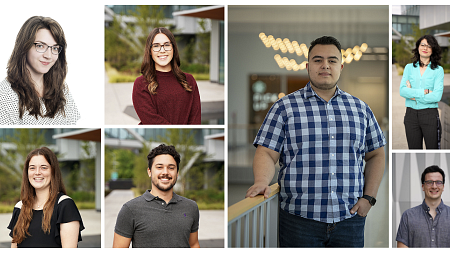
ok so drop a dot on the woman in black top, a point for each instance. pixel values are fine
(45, 216)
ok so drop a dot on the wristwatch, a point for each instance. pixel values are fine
(371, 199)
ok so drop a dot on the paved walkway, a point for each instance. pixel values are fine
(119, 108)
(210, 234)
(91, 233)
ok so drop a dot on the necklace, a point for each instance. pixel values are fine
(39, 206)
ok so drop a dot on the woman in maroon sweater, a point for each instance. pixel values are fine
(164, 94)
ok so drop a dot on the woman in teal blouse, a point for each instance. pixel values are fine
(422, 86)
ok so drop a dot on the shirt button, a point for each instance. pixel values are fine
(332, 137)
(432, 240)
(332, 174)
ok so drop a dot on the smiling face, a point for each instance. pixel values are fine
(433, 192)
(424, 50)
(162, 58)
(40, 63)
(324, 66)
(39, 173)
(164, 172)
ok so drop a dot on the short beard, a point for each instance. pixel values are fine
(161, 188)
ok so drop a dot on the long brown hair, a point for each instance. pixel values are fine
(20, 78)
(148, 64)
(28, 195)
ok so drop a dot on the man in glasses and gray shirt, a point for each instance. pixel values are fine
(427, 225)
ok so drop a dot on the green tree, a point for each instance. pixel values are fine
(183, 140)
(141, 179)
(125, 163)
(125, 41)
(15, 149)
(402, 51)
(203, 46)
(88, 167)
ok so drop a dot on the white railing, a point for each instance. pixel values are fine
(253, 222)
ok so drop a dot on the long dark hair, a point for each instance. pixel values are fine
(28, 195)
(20, 78)
(436, 52)
(148, 64)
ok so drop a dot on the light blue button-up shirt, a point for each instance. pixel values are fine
(432, 79)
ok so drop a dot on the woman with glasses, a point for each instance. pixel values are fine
(164, 94)
(45, 217)
(422, 86)
(34, 91)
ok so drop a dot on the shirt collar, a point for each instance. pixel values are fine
(309, 92)
(149, 197)
(439, 208)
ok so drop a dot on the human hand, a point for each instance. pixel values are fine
(362, 207)
(408, 84)
(258, 189)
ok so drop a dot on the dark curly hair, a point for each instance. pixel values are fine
(436, 52)
(431, 169)
(163, 150)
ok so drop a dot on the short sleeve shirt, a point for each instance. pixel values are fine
(64, 212)
(322, 146)
(418, 229)
(150, 222)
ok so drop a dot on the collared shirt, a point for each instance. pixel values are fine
(322, 146)
(432, 79)
(418, 229)
(150, 222)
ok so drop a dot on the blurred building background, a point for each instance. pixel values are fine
(409, 23)
(79, 156)
(201, 173)
(407, 190)
(259, 75)
(199, 32)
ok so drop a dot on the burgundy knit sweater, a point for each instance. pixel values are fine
(172, 105)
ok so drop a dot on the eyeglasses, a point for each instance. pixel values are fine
(425, 45)
(430, 183)
(42, 48)
(157, 47)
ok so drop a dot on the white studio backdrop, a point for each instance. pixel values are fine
(83, 25)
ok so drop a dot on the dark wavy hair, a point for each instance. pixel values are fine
(325, 40)
(436, 52)
(28, 195)
(431, 169)
(163, 150)
(148, 64)
(20, 78)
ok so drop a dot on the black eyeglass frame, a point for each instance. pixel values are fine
(161, 46)
(431, 183)
(58, 47)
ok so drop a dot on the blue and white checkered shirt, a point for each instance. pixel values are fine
(322, 146)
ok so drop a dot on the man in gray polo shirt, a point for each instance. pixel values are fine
(159, 218)
(427, 225)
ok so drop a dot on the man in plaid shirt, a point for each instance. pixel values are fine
(321, 136)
